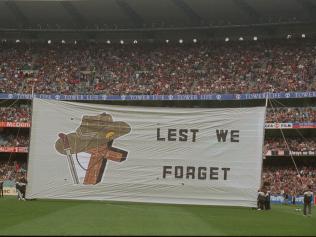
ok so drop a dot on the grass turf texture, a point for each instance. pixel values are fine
(59, 217)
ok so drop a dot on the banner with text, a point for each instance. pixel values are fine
(9, 191)
(14, 149)
(290, 125)
(5, 124)
(279, 199)
(282, 152)
(145, 154)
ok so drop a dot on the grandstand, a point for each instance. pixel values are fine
(167, 56)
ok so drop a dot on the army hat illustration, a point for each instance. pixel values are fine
(93, 131)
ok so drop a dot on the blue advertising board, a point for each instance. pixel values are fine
(279, 199)
(215, 97)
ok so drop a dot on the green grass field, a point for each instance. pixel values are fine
(59, 217)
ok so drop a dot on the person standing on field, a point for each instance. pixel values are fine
(308, 202)
(1, 186)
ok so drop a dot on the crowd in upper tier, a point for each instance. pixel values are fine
(296, 145)
(291, 114)
(158, 68)
(12, 140)
(20, 113)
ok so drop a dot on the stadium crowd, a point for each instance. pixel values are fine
(291, 114)
(9, 140)
(158, 68)
(287, 180)
(295, 145)
(20, 113)
(10, 169)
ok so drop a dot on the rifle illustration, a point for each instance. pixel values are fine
(71, 164)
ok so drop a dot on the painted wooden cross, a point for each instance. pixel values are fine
(98, 160)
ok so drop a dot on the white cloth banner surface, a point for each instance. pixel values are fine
(204, 156)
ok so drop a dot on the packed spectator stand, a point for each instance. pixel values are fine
(292, 144)
(9, 170)
(20, 113)
(291, 114)
(287, 180)
(14, 140)
(158, 68)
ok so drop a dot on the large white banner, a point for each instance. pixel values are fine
(145, 154)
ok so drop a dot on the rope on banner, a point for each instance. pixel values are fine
(286, 143)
